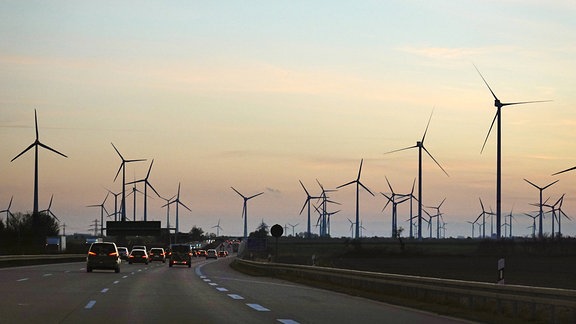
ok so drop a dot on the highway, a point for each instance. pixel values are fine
(209, 292)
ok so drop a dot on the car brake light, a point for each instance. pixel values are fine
(91, 253)
(113, 254)
(144, 256)
(131, 256)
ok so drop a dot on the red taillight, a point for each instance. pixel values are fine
(131, 256)
(113, 254)
(91, 253)
(143, 256)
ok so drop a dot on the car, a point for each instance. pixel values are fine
(157, 254)
(222, 254)
(124, 254)
(211, 254)
(138, 256)
(180, 254)
(201, 253)
(103, 255)
(139, 247)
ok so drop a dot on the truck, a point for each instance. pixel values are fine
(56, 244)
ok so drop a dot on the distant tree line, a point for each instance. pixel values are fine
(26, 233)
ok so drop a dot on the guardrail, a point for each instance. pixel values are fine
(520, 302)
(21, 260)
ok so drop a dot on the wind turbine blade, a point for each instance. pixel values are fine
(349, 183)
(402, 149)
(258, 194)
(36, 123)
(389, 185)
(360, 169)
(435, 160)
(482, 205)
(119, 169)
(29, 147)
(413, 184)
(363, 186)
(241, 195)
(550, 184)
(495, 98)
(428, 124)
(533, 184)
(51, 149)
(443, 200)
(134, 160)
(120, 155)
(149, 169)
(150, 185)
(304, 188)
(306, 202)
(524, 102)
(182, 204)
(489, 130)
(570, 169)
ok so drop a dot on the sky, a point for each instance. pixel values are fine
(261, 94)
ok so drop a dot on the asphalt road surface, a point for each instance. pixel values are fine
(209, 292)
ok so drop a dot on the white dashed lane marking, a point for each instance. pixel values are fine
(287, 321)
(47, 275)
(117, 281)
(23, 279)
(259, 308)
(104, 290)
(90, 304)
(221, 289)
(234, 296)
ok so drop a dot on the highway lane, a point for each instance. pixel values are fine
(209, 292)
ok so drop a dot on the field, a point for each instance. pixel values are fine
(527, 262)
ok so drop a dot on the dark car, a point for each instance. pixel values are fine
(103, 255)
(138, 256)
(180, 254)
(222, 254)
(157, 254)
(123, 252)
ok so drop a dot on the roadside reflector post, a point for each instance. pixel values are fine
(501, 265)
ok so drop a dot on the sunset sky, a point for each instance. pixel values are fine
(260, 94)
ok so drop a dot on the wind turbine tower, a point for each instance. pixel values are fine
(498, 104)
(421, 147)
(123, 168)
(245, 209)
(358, 184)
(541, 189)
(35, 145)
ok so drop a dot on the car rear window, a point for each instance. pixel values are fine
(99, 248)
(180, 248)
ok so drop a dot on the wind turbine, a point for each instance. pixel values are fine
(392, 199)
(358, 184)
(133, 192)
(177, 202)
(167, 205)
(351, 227)
(498, 104)
(123, 168)
(7, 210)
(35, 145)
(115, 203)
(472, 223)
(102, 210)
(218, 228)
(48, 211)
(146, 185)
(324, 214)
(293, 227)
(307, 202)
(420, 146)
(483, 214)
(245, 209)
(533, 224)
(540, 234)
(438, 215)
